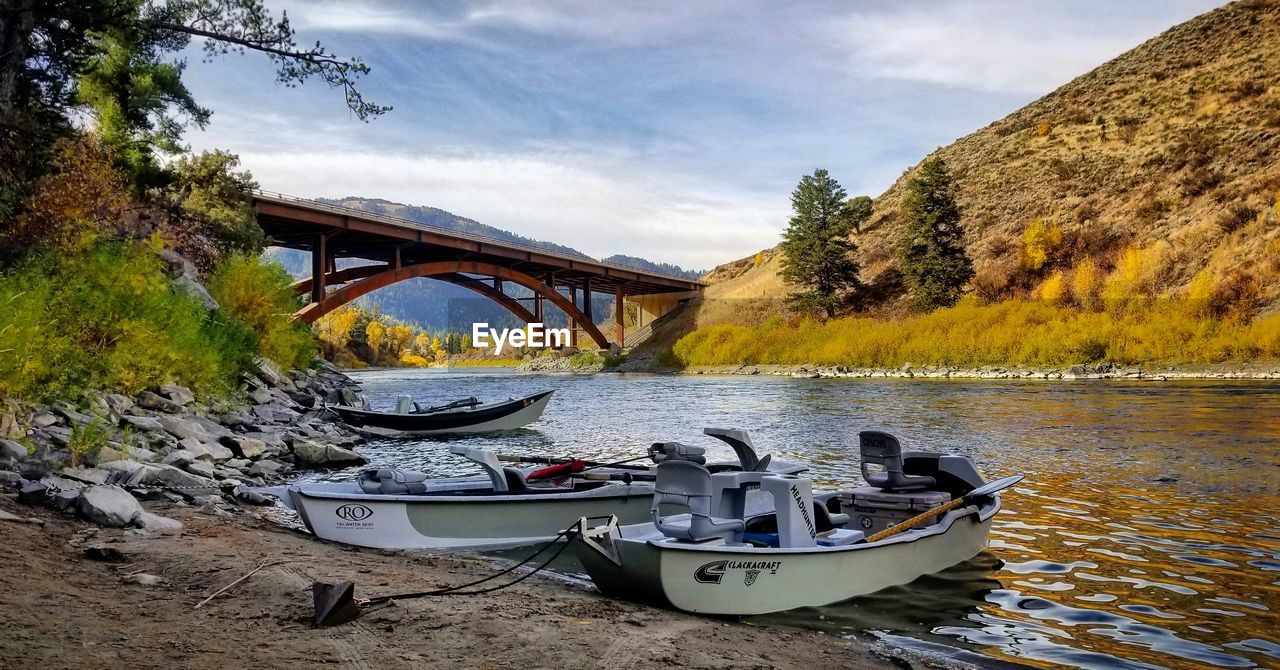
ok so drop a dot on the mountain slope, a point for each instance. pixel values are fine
(1171, 147)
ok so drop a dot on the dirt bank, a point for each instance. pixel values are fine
(65, 610)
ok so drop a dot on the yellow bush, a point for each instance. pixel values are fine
(414, 360)
(1043, 128)
(1052, 291)
(399, 337)
(375, 334)
(334, 329)
(1136, 279)
(969, 334)
(257, 294)
(1084, 284)
(1199, 301)
(1040, 241)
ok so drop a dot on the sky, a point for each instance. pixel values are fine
(674, 131)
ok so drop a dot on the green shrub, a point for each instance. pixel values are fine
(256, 294)
(106, 317)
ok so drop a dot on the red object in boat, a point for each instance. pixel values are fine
(558, 470)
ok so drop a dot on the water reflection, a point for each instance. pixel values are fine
(1142, 537)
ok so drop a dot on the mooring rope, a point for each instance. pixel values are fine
(458, 590)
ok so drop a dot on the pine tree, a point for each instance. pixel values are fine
(934, 262)
(818, 254)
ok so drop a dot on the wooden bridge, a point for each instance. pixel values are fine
(400, 249)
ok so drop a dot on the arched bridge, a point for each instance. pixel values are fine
(401, 249)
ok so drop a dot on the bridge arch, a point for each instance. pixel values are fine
(370, 278)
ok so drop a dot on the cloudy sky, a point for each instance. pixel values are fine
(669, 130)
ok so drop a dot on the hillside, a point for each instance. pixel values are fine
(1169, 149)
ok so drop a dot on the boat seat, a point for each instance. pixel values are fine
(393, 481)
(823, 520)
(740, 442)
(683, 482)
(660, 452)
(883, 449)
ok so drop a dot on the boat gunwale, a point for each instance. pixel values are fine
(944, 526)
(534, 397)
(479, 496)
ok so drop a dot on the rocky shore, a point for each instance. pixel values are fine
(100, 459)
(1096, 371)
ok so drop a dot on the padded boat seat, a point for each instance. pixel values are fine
(884, 449)
(393, 482)
(685, 483)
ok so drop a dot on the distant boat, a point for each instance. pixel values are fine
(462, 416)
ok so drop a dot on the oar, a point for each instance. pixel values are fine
(613, 476)
(966, 499)
(547, 460)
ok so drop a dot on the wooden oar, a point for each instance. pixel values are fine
(548, 460)
(966, 499)
(613, 476)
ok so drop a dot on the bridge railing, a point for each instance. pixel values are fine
(474, 237)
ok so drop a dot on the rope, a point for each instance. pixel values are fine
(458, 590)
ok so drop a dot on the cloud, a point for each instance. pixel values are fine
(597, 208)
(1029, 48)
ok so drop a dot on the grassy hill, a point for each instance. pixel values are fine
(1154, 175)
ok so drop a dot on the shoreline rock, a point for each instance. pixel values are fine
(165, 444)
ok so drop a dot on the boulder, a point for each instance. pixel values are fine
(118, 403)
(150, 400)
(196, 290)
(65, 501)
(238, 464)
(312, 453)
(43, 419)
(169, 476)
(10, 480)
(272, 375)
(245, 446)
(87, 475)
(179, 394)
(146, 423)
(267, 468)
(71, 415)
(201, 468)
(11, 451)
(260, 396)
(109, 506)
(273, 440)
(183, 428)
(107, 453)
(143, 455)
(180, 457)
(33, 493)
(218, 453)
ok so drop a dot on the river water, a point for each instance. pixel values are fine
(1146, 533)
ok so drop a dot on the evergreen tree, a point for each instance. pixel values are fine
(858, 209)
(934, 262)
(818, 255)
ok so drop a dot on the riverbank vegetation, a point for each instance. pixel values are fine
(110, 230)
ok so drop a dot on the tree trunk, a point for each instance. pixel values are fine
(17, 20)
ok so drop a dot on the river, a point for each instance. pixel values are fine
(1146, 533)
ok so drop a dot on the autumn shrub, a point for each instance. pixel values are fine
(1041, 240)
(1086, 281)
(1012, 332)
(256, 294)
(107, 317)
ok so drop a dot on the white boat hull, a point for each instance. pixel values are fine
(461, 521)
(741, 580)
(518, 419)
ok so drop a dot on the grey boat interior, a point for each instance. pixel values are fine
(694, 505)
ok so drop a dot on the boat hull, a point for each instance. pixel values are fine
(738, 580)
(509, 415)
(475, 521)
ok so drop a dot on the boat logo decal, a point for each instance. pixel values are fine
(713, 572)
(353, 512)
(804, 511)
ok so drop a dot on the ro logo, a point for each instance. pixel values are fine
(353, 512)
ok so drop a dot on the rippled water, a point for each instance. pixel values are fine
(1147, 532)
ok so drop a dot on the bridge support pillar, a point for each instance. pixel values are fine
(619, 315)
(573, 327)
(319, 264)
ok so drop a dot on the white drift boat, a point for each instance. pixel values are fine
(755, 542)
(505, 507)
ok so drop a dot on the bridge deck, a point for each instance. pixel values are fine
(296, 223)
